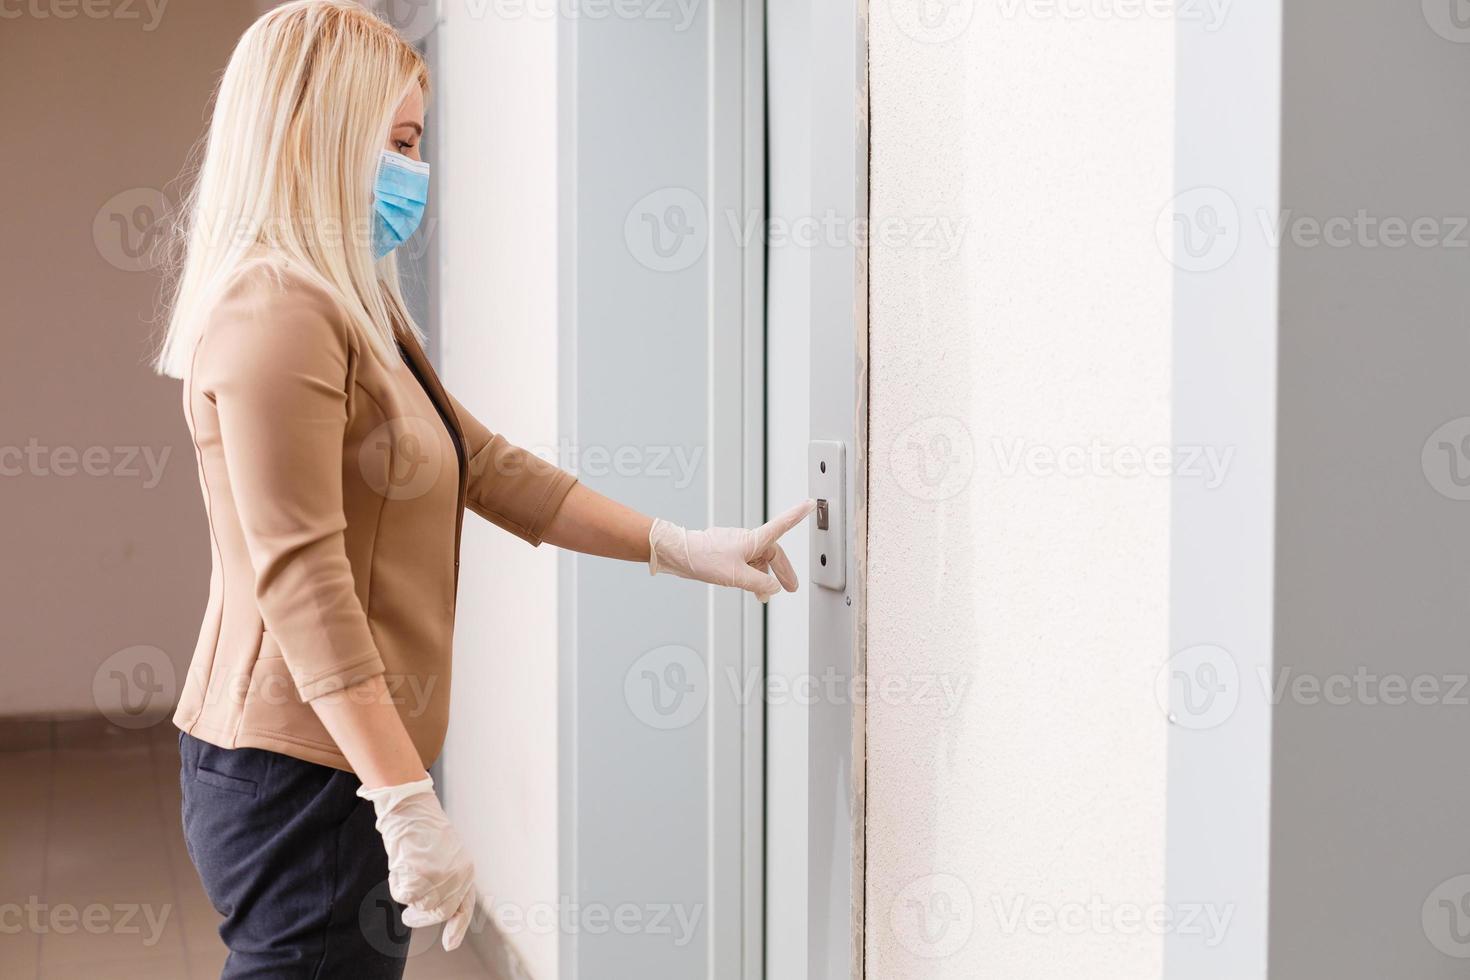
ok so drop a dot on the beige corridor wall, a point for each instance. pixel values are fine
(1017, 577)
(102, 531)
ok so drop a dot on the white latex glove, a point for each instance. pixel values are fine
(429, 870)
(731, 556)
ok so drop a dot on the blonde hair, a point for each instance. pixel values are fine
(300, 119)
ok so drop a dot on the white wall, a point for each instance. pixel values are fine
(1047, 594)
(495, 111)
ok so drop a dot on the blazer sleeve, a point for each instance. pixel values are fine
(276, 362)
(508, 486)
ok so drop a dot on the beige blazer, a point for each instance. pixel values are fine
(335, 483)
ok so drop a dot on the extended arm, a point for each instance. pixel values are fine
(539, 502)
(593, 524)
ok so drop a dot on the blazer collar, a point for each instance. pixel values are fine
(428, 377)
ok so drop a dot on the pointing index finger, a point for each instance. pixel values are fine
(772, 530)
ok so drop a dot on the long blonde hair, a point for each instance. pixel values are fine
(299, 123)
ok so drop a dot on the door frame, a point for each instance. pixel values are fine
(829, 173)
(738, 482)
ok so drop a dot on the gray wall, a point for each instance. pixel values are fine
(1371, 801)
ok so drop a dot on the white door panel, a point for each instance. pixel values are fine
(661, 353)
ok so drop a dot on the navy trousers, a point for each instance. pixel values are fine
(288, 854)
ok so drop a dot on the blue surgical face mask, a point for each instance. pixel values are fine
(400, 193)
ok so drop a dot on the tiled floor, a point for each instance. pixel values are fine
(94, 878)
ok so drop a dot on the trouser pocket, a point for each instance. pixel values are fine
(224, 815)
(289, 855)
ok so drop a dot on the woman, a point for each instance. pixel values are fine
(335, 471)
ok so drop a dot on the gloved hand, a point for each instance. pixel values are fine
(429, 870)
(729, 555)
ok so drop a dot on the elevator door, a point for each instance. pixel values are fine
(661, 351)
